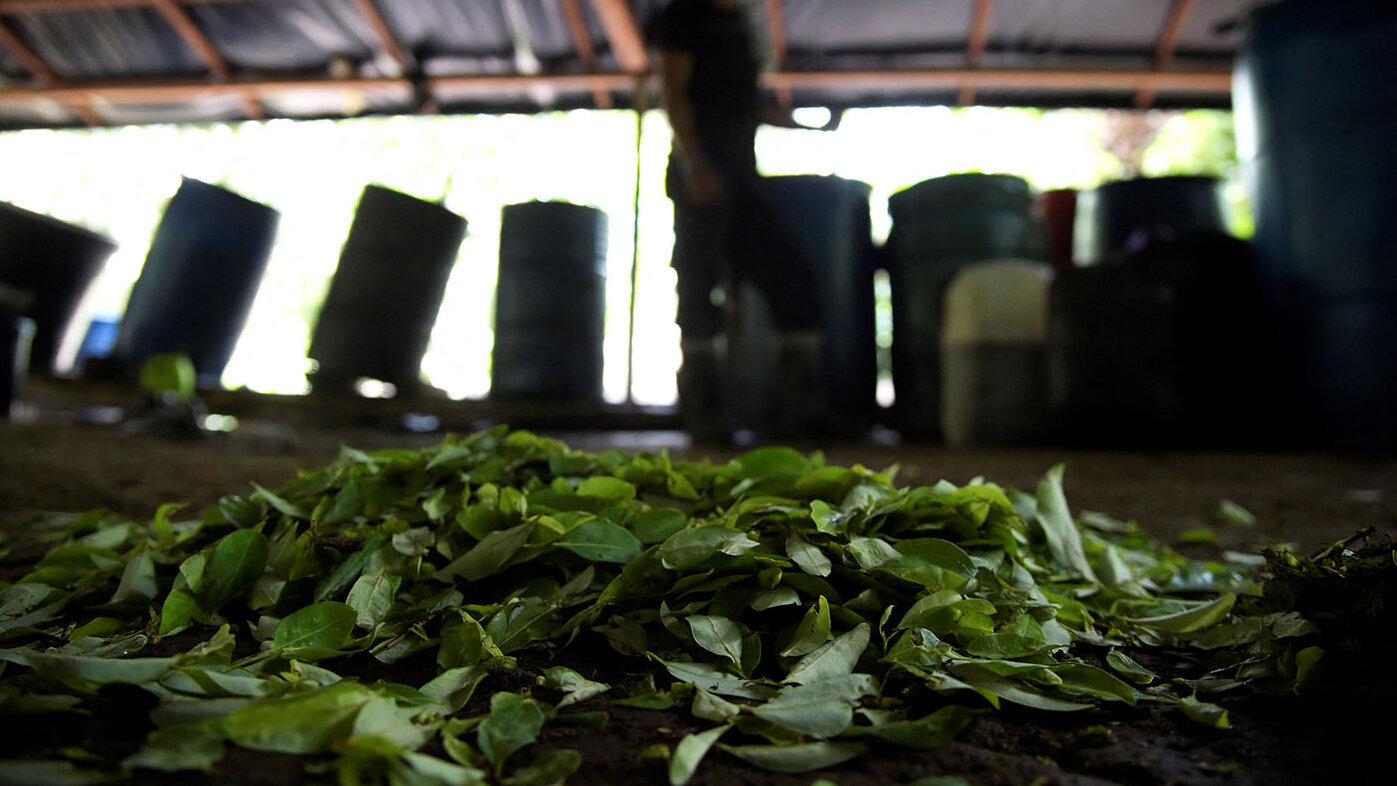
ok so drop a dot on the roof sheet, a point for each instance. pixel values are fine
(69, 62)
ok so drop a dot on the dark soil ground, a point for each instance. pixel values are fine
(53, 461)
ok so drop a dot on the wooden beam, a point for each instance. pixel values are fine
(582, 40)
(1167, 43)
(164, 91)
(975, 44)
(1023, 79)
(624, 34)
(776, 34)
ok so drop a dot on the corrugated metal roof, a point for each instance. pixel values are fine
(74, 62)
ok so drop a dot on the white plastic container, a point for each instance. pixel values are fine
(994, 333)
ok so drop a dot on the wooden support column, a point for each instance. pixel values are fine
(582, 40)
(1167, 44)
(975, 46)
(776, 33)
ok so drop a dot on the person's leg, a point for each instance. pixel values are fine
(700, 257)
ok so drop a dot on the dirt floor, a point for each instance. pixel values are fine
(55, 461)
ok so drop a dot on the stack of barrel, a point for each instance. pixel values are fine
(1316, 109)
(1155, 336)
(942, 228)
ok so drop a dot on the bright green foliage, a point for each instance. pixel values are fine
(808, 611)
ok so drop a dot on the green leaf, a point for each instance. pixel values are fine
(371, 597)
(812, 632)
(300, 723)
(316, 631)
(929, 732)
(1126, 666)
(236, 562)
(286, 508)
(30, 772)
(718, 635)
(689, 548)
(606, 487)
(87, 674)
(826, 518)
(1205, 713)
(1193, 619)
(712, 708)
(807, 556)
(797, 758)
(832, 660)
(601, 541)
(180, 609)
(1064, 539)
(550, 769)
(690, 752)
(514, 721)
(772, 462)
(818, 709)
(184, 747)
(489, 556)
(575, 686)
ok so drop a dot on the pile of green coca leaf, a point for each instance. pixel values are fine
(803, 612)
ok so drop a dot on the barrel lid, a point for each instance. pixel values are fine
(960, 190)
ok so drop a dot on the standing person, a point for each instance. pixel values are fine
(726, 230)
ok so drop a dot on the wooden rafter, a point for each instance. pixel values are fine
(975, 46)
(194, 38)
(41, 70)
(1167, 43)
(386, 38)
(624, 34)
(776, 34)
(586, 52)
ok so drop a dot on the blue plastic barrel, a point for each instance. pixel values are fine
(828, 218)
(200, 277)
(1115, 218)
(1316, 108)
(550, 303)
(55, 262)
(383, 301)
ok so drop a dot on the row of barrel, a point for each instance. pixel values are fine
(1149, 340)
(210, 251)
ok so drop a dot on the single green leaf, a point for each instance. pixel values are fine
(299, 723)
(1193, 619)
(1126, 666)
(812, 632)
(601, 541)
(514, 721)
(1064, 539)
(191, 746)
(690, 752)
(315, 631)
(832, 660)
(718, 635)
(550, 769)
(606, 487)
(236, 562)
(929, 732)
(708, 707)
(808, 557)
(797, 758)
(489, 556)
(689, 548)
(575, 686)
(371, 597)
